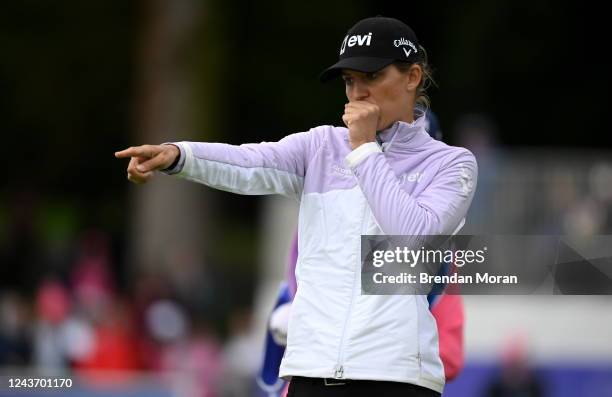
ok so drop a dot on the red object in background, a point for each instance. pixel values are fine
(113, 357)
(114, 350)
(52, 302)
(449, 316)
(114, 347)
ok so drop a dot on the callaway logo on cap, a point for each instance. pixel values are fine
(373, 43)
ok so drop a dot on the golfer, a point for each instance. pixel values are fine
(380, 174)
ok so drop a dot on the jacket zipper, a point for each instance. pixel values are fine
(339, 368)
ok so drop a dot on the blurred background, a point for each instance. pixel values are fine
(165, 289)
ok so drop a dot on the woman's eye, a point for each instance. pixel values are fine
(347, 80)
(371, 76)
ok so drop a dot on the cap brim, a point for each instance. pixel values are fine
(360, 64)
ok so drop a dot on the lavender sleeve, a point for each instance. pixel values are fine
(254, 169)
(439, 209)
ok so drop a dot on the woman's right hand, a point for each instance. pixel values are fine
(146, 159)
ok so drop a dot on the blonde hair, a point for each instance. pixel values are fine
(422, 99)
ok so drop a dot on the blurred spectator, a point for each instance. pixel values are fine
(478, 133)
(149, 290)
(586, 218)
(110, 345)
(113, 342)
(166, 321)
(241, 356)
(51, 335)
(516, 379)
(191, 357)
(15, 346)
(91, 276)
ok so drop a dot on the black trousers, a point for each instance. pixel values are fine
(316, 387)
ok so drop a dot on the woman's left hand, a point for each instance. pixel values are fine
(361, 118)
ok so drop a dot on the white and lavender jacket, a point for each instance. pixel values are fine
(409, 185)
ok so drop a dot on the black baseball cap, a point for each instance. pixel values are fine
(374, 43)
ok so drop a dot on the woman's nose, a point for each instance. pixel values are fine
(360, 91)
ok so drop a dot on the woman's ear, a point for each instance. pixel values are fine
(414, 77)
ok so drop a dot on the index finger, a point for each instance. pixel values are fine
(356, 104)
(133, 151)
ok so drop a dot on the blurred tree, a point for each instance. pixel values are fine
(170, 215)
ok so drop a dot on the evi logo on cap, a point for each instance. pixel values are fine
(356, 40)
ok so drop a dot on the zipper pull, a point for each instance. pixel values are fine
(419, 358)
(380, 143)
(339, 372)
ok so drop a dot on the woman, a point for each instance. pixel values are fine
(446, 309)
(382, 174)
